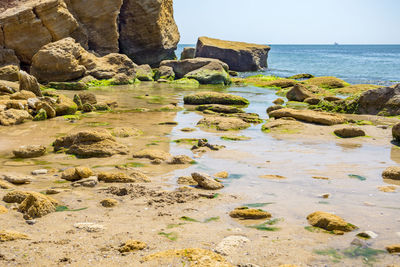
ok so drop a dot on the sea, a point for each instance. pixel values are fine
(356, 64)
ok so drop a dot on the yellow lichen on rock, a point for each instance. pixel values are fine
(193, 256)
(36, 205)
(16, 196)
(3, 209)
(109, 203)
(6, 235)
(330, 222)
(132, 245)
(246, 213)
(221, 175)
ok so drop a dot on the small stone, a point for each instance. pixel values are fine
(39, 172)
(52, 192)
(393, 248)
(5, 185)
(392, 173)
(30, 222)
(327, 195)
(246, 213)
(279, 101)
(156, 161)
(132, 245)
(3, 209)
(349, 132)
(206, 182)
(109, 203)
(368, 235)
(89, 227)
(221, 175)
(188, 129)
(388, 189)
(115, 178)
(152, 154)
(88, 182)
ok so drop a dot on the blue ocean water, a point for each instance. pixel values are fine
(373, 64)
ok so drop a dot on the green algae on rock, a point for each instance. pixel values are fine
(330, 222)
(327, 82)
(246, 213)
(203, 98)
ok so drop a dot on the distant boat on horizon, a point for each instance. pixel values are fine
(335, 43)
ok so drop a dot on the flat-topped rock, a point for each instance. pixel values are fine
(238, 55)
(329, 222)
(308, 116)
(203, 98)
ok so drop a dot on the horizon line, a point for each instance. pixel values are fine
(333, 44)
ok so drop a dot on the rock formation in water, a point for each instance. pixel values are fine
(239, 56)
(144, 30)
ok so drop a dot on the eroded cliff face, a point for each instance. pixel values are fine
(145, 30)
(148, 31)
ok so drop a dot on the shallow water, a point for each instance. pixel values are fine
(293, 198)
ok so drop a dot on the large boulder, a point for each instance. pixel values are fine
(67, 60)
(381, 101)
(88, 144)
(27, 28)
(239, 56)
(99, 19)
(308, 116)
(58, 61)
(148, 32)
(204, 70)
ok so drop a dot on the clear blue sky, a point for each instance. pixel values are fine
(290, 21)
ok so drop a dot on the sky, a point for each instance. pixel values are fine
(290, 21)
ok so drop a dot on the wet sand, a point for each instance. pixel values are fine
(297, 156)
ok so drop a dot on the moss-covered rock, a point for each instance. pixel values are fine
(327, 82)
(355, 89)
(220, 108)
(65, 106)
(203, 98)
(74, 86)
(223, 123)
(210, 76)
(252, 214)
(41, 115)
(144, 73)
(301, 76)
(186, 83)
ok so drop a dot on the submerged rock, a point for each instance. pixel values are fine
(301, 76)
(223, 123)
(203, 98)
(180, 160)
(201, 257)
(132, 245)
(124, 132)
(89, 144)
(252, 214)
(309, 116)
(393, 248)
(152, 154)
(329, 222)
(349, 132)
(206, 182)
(73, 86)
(3, 209)
(220, 108)
(30, 151)
(238, 55)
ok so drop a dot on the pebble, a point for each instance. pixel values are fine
(30, 222)
(368, 234)
(230, 244)
(359, 243)
(39, 172)
(17, 180)
(326, 195)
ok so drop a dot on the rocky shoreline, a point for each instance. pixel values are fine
(115, 152)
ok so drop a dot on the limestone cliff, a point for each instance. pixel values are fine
(145, 30)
